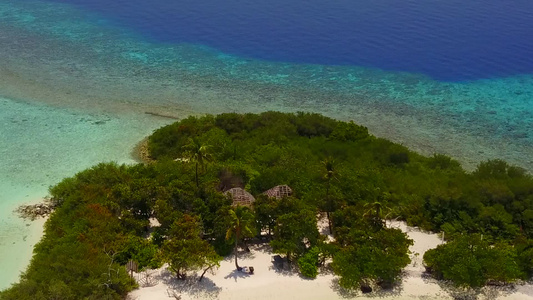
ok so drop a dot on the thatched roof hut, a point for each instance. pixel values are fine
(240, 196)
(279, 191)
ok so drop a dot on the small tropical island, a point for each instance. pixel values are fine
(312, 195)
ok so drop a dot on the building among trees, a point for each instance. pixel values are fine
(279, 191)
(240, 196)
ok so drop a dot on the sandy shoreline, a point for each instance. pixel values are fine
(24, 240)
(269, 283)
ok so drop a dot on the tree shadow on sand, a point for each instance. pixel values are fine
(147, 278)
(236, 275)
(326, 269)
(344, 293)
(289, 271)
(206, 289)
(260, 246)
(487, 292)
(395, 291)
(491, 291)
(284, 268)
(377, 291)
(244, 254)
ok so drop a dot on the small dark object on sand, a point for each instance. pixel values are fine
(366, 289)
(249, 270)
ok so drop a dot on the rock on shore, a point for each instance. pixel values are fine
(35, 211)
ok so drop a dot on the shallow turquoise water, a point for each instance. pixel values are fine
(40, 146)
(81, 87)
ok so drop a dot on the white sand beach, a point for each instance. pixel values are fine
(269, 283)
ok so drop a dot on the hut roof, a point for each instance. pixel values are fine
(279, 191)
(240, 196)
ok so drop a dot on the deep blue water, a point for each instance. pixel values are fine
(451, 40)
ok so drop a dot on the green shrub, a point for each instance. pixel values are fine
(308, 263)
(471, 262)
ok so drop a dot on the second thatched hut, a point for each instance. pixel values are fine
(279, 191)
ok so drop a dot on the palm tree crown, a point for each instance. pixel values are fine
(197, 153)
(241, 225)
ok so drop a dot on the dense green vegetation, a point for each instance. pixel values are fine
(335, 168)
(471, 261)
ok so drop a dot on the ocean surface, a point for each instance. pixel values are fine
(82, 81)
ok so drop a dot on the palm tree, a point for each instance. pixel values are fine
(241, 225)
(197, 153)
(375, 210)
(328, 163)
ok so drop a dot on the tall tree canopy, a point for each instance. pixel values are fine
(470, 261)
(185, 250)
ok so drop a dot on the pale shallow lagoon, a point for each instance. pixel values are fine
(40, 146)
